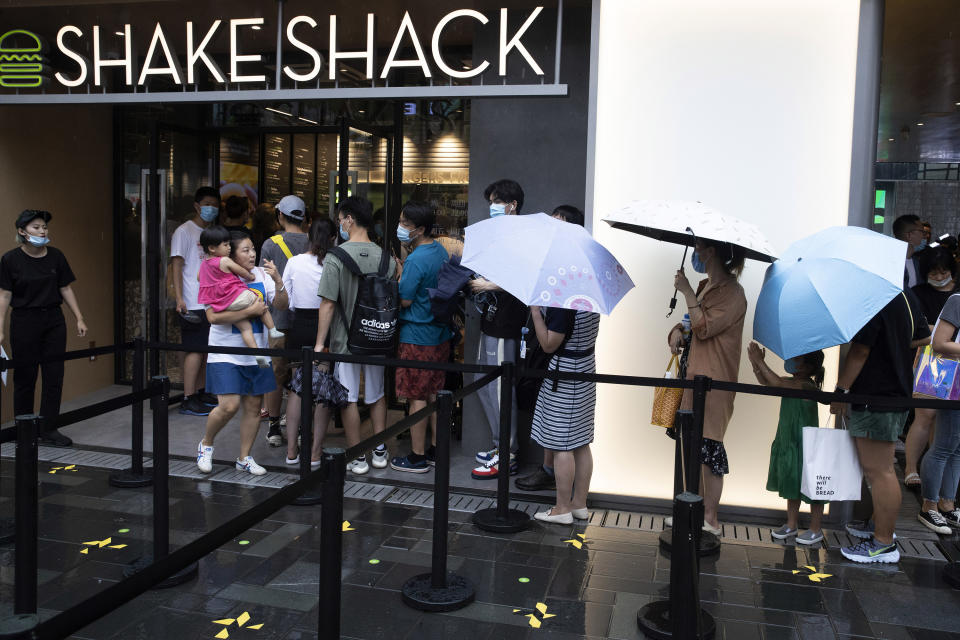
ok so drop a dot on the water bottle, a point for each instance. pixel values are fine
(685, 323)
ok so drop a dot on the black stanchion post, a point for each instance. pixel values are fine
(6, 524)
(161, 493)
(331, 542)
(306, 426)
(135, 476)
(503, 519)
(440, 590)
(25, 556)
(690, 439)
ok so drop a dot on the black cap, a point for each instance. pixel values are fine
(29, 215)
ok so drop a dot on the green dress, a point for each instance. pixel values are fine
(786, 452)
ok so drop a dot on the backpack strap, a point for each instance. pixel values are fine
(347, 261)
(384, 263)
(278, 239)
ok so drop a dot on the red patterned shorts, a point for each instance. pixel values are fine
(419, 384)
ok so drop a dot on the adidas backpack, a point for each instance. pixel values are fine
(372, 331)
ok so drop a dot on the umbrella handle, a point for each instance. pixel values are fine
(673, 300)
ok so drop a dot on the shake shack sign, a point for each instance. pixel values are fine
(219, 55)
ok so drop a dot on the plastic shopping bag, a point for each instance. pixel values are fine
(831, 469)
(935, 375)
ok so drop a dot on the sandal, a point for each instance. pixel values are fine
(912, 481)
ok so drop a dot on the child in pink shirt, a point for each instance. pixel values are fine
(223, 286)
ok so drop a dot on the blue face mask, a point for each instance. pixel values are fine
(921, 246)
(403, 234)
(497, 210)
(209, 213)
(790, 365)
(697, 263)
(343, 234)
(37, 241)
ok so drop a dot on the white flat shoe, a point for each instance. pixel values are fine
(718, 531)
(293, 460)
(562, 518)
(580, 514)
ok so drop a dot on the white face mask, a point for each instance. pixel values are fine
(940, 283)
(497, 210)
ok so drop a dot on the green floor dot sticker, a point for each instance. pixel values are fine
(123, 530)
(374, 561)
(523, 580)
(244, 542)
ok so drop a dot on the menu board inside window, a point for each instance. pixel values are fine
(276, 167)
(304, 160)
(327, 146)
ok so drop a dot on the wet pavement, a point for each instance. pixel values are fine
(534, 584)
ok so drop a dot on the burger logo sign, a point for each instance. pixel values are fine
(21, 59)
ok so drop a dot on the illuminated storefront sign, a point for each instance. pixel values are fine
(197, 62)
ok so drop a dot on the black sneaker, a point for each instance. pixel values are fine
(54, 438)
(934, 521)
(208, 399)
(539, 480)
(432, 456)
(274, 436)
(193, 407)
(952, 517)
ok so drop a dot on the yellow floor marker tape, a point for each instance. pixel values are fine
(241, 620)
(347, 527)
(69, 467)
(578, 543)
(814, 575)
(531, 615)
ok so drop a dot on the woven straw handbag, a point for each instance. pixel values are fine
(666, 400)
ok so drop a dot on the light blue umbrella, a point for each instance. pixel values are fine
(825, 288)
(546, 262)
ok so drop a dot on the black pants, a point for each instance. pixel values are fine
(34, 334)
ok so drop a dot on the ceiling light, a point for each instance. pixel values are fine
(119, 33)
(919, 124)
(283, 113)
(255, 27)
(890, 139)
(307, 120)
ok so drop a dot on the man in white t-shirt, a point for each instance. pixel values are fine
(186, 254)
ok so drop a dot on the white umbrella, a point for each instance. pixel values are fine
(683, 223)
(546, 262)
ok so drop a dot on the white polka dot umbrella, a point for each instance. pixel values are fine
(546, 262)
(673, 221)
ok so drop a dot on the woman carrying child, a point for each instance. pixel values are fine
(223, 286)
(786, 452)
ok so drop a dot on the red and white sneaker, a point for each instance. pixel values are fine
(492, 468)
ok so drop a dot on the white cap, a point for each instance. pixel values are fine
(292, 207)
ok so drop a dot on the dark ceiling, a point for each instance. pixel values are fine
(920, 82)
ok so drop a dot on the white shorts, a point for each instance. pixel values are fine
(348, 374)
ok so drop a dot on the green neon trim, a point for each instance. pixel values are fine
(20, 81)
(881, 199)
(36, 39)
(878, 219)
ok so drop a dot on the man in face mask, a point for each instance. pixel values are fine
(503, 318)
(909, 229)
(185, 258)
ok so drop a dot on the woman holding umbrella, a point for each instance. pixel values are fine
(717, 309)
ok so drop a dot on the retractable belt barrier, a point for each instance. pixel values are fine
(439, 590)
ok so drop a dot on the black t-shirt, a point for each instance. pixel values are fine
(509, 319)
(888, 370)
(559, 320)
(35, 282)
(931, 300)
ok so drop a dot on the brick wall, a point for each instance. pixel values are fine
(938, 202)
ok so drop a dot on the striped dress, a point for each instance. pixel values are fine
(563, 418)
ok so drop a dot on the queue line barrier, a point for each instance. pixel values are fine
(678, 617)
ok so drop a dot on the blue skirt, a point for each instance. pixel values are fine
(224, 378)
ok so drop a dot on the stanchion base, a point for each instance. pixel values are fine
(951, 574)
(18, 626)
(307, 499)
(128, 479)
(419, 593)
(709, 543)
(7, 529)
(654, 620)
(184, 575)
(488, 520)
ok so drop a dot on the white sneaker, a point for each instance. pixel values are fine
(250, 465)
(263, 362)
(359, 466)
(487, 457)
(204, 458)
(276, 334)
(293, 460)
(380, 459)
